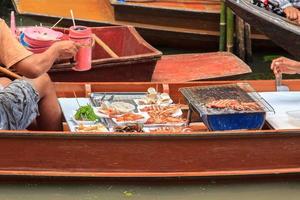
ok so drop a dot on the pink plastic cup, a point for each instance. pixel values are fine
(83, 36)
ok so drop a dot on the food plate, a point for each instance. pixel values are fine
(142, 102)
(113, 109)
(144, 117)
(177, 113)
(91, 128)
(81, 121)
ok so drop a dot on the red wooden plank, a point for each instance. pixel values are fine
(191, 67)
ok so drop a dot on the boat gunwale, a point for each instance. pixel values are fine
(163, 8)
(159, 175)
(196, 135)
(266, 15)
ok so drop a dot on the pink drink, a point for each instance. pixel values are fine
(83, 36)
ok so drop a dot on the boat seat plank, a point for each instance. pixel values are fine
(191, 67)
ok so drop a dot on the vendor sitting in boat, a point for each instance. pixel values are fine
(34, 97)
(291, 9)
(285, 66)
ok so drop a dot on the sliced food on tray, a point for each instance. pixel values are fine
(173, 110)
(171, 129)
(115, 108)
(91, 128)
(131, 118)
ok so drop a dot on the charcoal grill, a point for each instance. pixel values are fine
(226, 119)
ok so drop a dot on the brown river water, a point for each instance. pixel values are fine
(154, 190)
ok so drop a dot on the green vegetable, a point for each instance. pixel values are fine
(86, 113)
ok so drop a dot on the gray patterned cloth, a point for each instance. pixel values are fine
(286, 3)
(18, 105)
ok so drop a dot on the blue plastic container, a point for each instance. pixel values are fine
(234, 121)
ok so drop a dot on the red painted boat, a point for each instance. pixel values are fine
(135, 62)
(185, 24)
(139, 61)
(197, 154)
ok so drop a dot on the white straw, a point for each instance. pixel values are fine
(72, 17)
(56, 23)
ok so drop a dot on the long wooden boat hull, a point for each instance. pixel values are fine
(201, 154)
(283, 33)
(198, 155)
(193, 29)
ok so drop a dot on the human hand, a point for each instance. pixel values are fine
(285, 65)
(292, 13)
(66, 49)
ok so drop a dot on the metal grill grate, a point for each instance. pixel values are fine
(198, 97)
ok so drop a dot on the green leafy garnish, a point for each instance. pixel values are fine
(86, 113)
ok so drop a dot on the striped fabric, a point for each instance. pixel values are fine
(286, 3)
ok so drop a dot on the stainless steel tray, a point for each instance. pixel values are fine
(97, 97)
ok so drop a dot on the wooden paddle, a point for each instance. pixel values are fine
(104, 46)
(10, 73)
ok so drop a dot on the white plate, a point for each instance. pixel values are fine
(178, 112)
(144, 114)
(81, 121)
(98, 113)
(103, 129)
(138, 103)
(131, 108)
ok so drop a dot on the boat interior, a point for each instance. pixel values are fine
(85, 90)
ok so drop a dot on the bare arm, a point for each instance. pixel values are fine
(285, 66)
(38, 64)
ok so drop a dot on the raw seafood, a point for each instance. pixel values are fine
(233, 104)
(129, 117)
(116, 108)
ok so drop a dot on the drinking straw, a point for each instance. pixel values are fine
(56, 23)
(71, 11)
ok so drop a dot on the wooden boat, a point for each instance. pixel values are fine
(171, 29)
(139, 61)
(136, 61)
(172, 68)
(281, 31)
(198, 154)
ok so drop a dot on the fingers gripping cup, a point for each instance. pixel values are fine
(83, 36)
